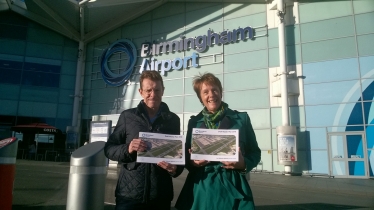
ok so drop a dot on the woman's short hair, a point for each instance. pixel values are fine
(152, 75)
(207, 78)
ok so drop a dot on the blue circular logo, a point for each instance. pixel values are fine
(120, 46)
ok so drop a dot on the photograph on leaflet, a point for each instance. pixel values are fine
(162, 147)
(215, 144)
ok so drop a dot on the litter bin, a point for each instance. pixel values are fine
(8, 154)
(88, 170)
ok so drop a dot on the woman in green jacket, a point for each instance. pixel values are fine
(218, 185)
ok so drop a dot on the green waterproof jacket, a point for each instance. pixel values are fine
(214, 187)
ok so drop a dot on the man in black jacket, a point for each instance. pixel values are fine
(143, 185)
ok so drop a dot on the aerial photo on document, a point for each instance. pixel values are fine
(213, 145)
(161, 148)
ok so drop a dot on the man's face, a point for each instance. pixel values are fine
(152, 93)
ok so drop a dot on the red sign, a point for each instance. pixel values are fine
(292, 158)
(7, 141)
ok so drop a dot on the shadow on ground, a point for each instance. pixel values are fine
(62, 207)
(307, 206)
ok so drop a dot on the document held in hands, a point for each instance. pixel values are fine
(215, 144)
(162, 147)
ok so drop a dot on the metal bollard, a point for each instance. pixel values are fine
(88, 169)
(8, 154)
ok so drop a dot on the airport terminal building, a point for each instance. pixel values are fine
(68, 62)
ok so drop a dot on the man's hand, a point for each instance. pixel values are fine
(198, 163)
(172, 169)
(137, 145)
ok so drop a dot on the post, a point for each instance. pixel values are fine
(8, 154)
(88, 170)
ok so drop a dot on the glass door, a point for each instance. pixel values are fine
(347, 154)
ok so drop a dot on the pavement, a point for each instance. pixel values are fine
(322, 185)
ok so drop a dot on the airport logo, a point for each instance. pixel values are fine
(118, 78)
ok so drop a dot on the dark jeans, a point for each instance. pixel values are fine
(128, 204)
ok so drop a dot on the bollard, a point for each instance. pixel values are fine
(88, 169)
(8, 154)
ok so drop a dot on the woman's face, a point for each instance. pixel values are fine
(211, 97)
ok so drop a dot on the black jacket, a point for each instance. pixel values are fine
(141, 181)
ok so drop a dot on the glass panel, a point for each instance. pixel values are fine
(331, 49)
(40, 79)
(365, 23)
(8, 107)
(356, 168)
(175, 104)
(367, 66)
(168, 10)
(354, 146)
(365, 44)
(328, 93)
(333, 115)
(192, 104)
(321, 30)
(137, 30)
(263, 139)
(249, 99)
(43, 51)
(361, 6)
(338, 168)
(13, 47)
(43, 35)
(328, 71)
(260, 118)
(42, 67)
(201, 16)
(10, 76)
(163, 24)
(239, 10)
(13, 32)
(104, 95)
(318, 162)
(256, 20)
(246, 80)
(324, 10)
(337, 147)
(371, 162)
(173, 87)
(246, 61)
(317, 138)
(370, 136)
(6, 64)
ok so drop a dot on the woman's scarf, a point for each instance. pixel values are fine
(213, 120)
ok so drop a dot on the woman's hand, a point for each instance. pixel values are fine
(198, 163)
(137, 145)
(172, 169)
(240, 165)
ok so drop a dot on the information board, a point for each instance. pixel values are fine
(100, 130)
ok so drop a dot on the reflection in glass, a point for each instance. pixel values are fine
(356, 168)
(337, 147)
(338, 168)
(354, 146)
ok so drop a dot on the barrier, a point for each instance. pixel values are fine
(8, 154)
(88, 170)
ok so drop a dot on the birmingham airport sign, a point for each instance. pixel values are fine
(199, 43)
(148, 51)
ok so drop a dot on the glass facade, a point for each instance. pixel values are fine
(37, 68)
(328, 43)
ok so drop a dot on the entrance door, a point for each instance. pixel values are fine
(348, 155)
